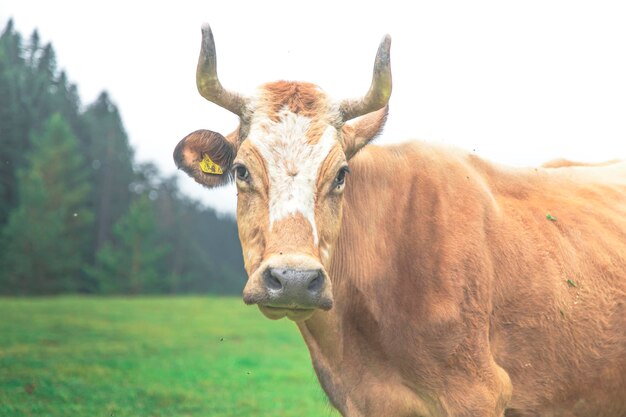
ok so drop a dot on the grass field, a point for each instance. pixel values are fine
(182, 356)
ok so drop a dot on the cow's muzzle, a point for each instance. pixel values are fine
(289, 291)
(295, 288)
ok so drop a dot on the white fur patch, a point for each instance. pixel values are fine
(292, 163)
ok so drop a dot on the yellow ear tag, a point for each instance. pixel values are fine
(210, 167)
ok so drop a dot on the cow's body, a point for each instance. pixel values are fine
(427, 282)
(451, 288)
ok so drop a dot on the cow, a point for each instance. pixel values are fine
(424, 280)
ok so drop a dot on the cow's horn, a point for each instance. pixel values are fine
(378, 95)
(208, 84)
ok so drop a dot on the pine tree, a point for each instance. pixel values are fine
(13, 119)
(42, 247)
(110, 156)
(31, 90)
(132, 262)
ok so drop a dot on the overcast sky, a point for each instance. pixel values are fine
(516, 82)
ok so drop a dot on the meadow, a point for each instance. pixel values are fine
(177, 356)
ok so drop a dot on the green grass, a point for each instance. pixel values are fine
(183, 356)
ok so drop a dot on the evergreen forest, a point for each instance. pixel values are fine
(77, 213)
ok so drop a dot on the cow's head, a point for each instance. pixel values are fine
(289, 158)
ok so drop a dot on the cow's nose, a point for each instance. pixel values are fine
(298, 288)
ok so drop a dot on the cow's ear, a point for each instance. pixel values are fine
(359, 133)
(206, 157)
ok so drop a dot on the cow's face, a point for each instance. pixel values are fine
(289, 159)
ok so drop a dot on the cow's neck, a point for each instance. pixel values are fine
(345, 343)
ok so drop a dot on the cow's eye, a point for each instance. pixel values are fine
(341, 176)
(241, 172)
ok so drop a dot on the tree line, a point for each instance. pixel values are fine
(77, 213)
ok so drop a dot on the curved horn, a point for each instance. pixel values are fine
(380, 90)
(208, 84)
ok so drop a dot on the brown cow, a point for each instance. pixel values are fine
(424, 280)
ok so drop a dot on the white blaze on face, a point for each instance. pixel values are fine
(292, 163)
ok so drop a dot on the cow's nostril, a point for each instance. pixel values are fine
(272, 280)
(316, 283)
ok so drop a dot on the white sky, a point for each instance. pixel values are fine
(518, 82)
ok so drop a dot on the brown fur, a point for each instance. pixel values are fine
(300, 98)
(451, 290)
(253, 202)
